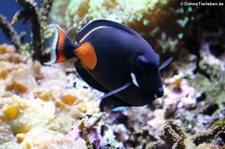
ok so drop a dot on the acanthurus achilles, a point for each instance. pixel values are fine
(114, 59)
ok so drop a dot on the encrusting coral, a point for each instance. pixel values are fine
(34, 102)
(176, 138)
(214, 86)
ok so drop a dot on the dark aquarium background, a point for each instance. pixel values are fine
(52, 107)
(8, 9)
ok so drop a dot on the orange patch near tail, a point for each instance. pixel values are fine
(87, 55)
(61, 56)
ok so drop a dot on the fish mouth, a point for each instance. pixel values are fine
(159, 93)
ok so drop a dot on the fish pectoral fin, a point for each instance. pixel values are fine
(118, 109)
(166, 63)
(87, 55)
(117, 90)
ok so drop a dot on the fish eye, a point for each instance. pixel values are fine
(141, 62)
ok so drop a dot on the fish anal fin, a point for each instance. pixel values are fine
(87, 55)
(113, 103)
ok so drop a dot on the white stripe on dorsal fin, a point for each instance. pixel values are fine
(88, 33)
(101, 23)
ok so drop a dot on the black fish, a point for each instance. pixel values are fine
(114, 59)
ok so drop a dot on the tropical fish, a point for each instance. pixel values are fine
(114, 59)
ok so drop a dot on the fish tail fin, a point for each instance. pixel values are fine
(61, 46)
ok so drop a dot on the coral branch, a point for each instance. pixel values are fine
(20, 14)
(38, 24)
(46, 6)
(216, 128)
(173, 135)
(9, 31)
(31, 8)
(206, 135)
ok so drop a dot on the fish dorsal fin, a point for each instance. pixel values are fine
(97, 24)
(87, 55)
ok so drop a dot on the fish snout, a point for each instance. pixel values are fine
(159, 93)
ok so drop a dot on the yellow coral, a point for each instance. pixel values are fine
(20, 87)
(40, 137)
(4, 73)
(46, 102)
(46, 96)
(12, 112)
(3, 48)
(82, 109)
(35, 113)
(59, 104)
(20, 137)
(69, 99)
(15, 58)
(10, 85)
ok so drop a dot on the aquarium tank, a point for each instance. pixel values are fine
(112, 74)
